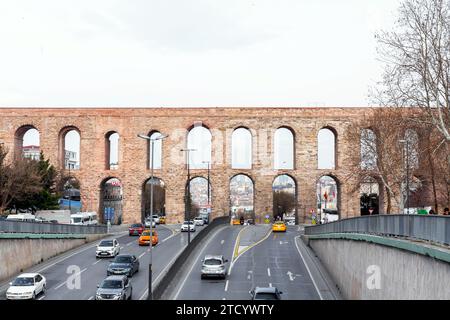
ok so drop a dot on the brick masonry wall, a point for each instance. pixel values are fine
(94, 123)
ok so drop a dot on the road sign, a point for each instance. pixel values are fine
(108, 214)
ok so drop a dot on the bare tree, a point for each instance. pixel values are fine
(417, 61)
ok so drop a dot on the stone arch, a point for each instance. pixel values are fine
(158, 149)
(368, 149)
(66, 161)
(328, 191)
(112, 150)
(199, 137)
(286, 204)
(159, 197)
(199, 194)
(371, 196)
(19, 150)
(242, 201)
(241, 159)
(327, 148)
(284, 158)
(111, 196)
(70, 190)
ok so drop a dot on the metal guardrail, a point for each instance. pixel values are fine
(42, 227)
(423, 227)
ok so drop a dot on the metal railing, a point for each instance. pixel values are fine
(423, 227)
(41, 227)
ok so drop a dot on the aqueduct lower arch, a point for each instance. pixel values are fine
(94, 123)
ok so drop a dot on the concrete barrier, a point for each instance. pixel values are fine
(21, 251)
(170, 275)
(43, 227)
(381, 268)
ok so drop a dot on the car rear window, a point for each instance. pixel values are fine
(213, 262)
(147, 233)
(137, 225)
(265, 296)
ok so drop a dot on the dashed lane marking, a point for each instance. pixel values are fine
(63, 283)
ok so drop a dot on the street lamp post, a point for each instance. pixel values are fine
(209, 200)
(152, 141)
(187, 197)
(405, 141)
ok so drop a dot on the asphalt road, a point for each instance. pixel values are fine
(272, 261)
(61, 285)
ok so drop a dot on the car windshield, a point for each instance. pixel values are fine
(23, 282)
(123, 259)
(75, 220)
(213, 262)
(111, 284)
(135, 225)
(265, 296)
(108, 243)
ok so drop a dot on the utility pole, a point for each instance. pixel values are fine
(187, 197)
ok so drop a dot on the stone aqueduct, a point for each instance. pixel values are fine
(94, 124)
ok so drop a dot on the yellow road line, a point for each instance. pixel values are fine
(256, 243)
(236, 245)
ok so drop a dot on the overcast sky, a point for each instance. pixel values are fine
(190, 53)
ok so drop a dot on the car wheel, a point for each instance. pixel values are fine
(34, 296)
(43, 289)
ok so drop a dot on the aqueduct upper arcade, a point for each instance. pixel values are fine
(97, 128)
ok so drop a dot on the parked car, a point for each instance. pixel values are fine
(267, 293)
(148, 221)
(107, 248)
(144, 239)
(126, 264)
(114, 288)
(26, 286)
(136, 229)
(198, 221)
(214, 266)
(186, 225)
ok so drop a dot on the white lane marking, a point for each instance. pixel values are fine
(307, 268)
(224, 299)
(290, 275)
(141, 255)
(129, 244)
(96, 262)
(90, 298)
(221, 242)
(41, 298)
(268, 271)
(121, 248)
(270, 285)
(63, 283)
(226, 286)
(195, 260)
(162, 272)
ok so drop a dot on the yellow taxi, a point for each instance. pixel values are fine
(235, 222)
(144, 239)
(279, 226)
(162, 220)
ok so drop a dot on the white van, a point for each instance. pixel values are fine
(84, 218)
(21, 217)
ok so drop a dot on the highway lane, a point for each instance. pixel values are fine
(273, 261)
(194, 288)
(62, 285)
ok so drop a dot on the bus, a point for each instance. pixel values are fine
(84, 218)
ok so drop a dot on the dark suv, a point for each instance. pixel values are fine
(124, 264)
(114, 288)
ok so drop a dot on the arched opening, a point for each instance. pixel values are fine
(368, 149)
(27, 143)
(159, 197)
(369, 195)
(70, 196)
(284, 192)
(70, 140)
(242, 197)
(284, 145)
(412, 148)
(200, 196)
(328, 199)
(326, 149)
(112, 150)
(157, 150)
(199, 139)
(111, 195)
(241, 149)
(421, 199)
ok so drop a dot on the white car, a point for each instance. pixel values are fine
(156, 218)
(108, 248)
(148, 221)
(186, 225)
(26, 286)
(199, 221)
